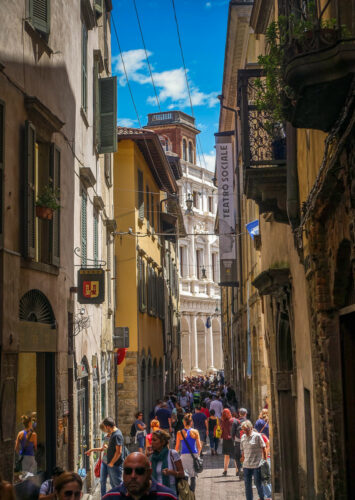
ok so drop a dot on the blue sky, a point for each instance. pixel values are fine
(203, 25)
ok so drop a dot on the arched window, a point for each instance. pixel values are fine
(184, 149)
(191, 153)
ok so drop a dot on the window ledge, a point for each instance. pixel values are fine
(40, 266)
(84, 116)
(36, 35)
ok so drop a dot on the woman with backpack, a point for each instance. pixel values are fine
(214, 431)
(140, 431)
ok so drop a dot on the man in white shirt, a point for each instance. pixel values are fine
(217, 406)
(253, 453)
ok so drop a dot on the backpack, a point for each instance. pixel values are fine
(133, 430)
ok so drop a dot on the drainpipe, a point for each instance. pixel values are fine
(292, 177)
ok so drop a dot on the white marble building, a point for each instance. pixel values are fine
(201, 341)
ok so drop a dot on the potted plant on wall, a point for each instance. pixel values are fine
(306, 79)
(47, 202)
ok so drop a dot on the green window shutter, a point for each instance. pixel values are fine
(152, 208)
(140, 195)
(2, 154)
(40, 15)
(96, 238)
(55, 224)
(29, 247)
(144, 284)
(84, 229)
(148, 206)
(84, 67)
(98, 7)
(108, 114)
(96, 127)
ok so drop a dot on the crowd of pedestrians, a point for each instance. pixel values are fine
(181, 428)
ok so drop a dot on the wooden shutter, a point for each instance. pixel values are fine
(84, 67)
(96, 237)
(140, 195)
(148, 206)
(54, 173)
(29, 247)
(152, 209)
(108, 114)
(108, 169)
(40, 15)
(98, 7)
(84, 230)
(2, 154)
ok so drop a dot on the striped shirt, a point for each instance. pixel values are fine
(252, 447)
(156, 491)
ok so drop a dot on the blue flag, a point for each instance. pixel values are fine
(253, 228)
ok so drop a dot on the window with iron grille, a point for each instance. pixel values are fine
(84, 229)
(96, 237)
(84, 67)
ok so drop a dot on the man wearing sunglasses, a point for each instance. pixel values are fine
(138, 483)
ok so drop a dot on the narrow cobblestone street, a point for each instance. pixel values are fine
(211, 485)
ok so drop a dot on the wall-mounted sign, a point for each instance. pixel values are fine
(91, 286)
(226, 210)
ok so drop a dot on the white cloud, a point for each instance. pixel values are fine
(208, 5)
(135, 62)
(170, 84)
(126, 122)
(210, 160)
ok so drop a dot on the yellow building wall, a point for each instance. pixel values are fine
(145, 332)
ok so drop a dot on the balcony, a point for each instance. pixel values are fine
(319, 65)
(263, 152)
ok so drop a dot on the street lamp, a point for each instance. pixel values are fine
(189, 203)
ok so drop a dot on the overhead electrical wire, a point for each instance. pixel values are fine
(146, 55)
(198, 143)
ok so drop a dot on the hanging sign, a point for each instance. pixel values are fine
(226, 210)
(253, 228)
(91, 286)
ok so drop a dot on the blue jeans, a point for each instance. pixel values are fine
(202, 433)
(141, 440)
(248, 475)
(103, 478)
(213, 441)
(267, 486)
(115, 475)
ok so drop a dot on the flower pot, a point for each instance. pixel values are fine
(44, 213)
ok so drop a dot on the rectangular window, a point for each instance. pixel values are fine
(182, 261)
(194, 198)
(198, 264)
(210, 204)
(142, 287)
(84, 67)
(96, 237)
(214, 267)
(84, 233)
(140, 195)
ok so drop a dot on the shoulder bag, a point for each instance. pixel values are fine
(97, 469)
(198, 462)
(183, 489)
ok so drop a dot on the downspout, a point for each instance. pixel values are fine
(292, 177)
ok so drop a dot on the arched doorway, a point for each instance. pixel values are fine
(83, 413)
(142, 388)
(287, 410)
(36, 387)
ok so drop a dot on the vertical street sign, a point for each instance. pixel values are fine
(226, 211)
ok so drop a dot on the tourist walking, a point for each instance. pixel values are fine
(104, 470)
(163, 414)
(154, 426)
(68, 486)
(199, 423)
(236, 437)
(216, 405)
(46, 491)
(166, 464)
(114, 451)
(263, 422)
(265, 482)
(213, 425)
(253, 452)
(26, 446)
(227, 443)
(138, 482)
(140, 431)
(190, 445)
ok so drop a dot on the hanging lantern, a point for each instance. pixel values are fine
(121, 354)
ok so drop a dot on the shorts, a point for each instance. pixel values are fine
(141, 440)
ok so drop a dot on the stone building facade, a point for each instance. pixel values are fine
(303, 199)
(198, 250)
(54, 366)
